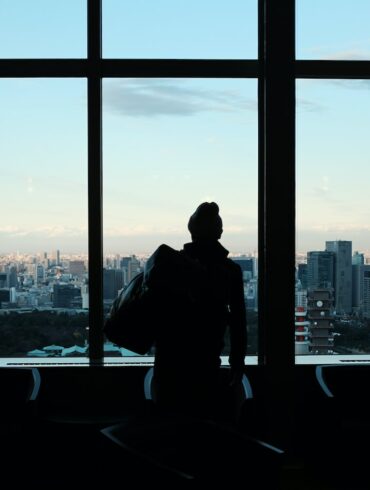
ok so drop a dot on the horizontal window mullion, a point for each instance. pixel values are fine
(174, 68)
(332, 69)
(44, 68)
(180, 68)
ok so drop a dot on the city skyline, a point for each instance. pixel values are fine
(15, 255)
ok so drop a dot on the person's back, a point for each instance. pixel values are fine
(191, 337)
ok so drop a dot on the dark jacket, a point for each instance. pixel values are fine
(225, 294)
(191, 337)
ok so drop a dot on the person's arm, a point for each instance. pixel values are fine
(238, 325)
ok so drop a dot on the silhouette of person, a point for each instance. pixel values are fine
(191, 338)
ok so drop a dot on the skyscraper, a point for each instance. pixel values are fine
(3, 279)
(12, 276)
(77, 268)
(133, 269)
(247, 265)
(55, 257)
(4, 296)
(358, 258)
(251, 294)
(366, 290)
(112, 282)
(342, 274)
(358, 261)
(320, 269)
(302, 275)
(64, 295)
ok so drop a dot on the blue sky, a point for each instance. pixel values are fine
(333, 163)
(169, 144)
(333, 29)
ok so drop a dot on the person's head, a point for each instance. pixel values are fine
(205, 223)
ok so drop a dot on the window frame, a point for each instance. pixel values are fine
(276, 70)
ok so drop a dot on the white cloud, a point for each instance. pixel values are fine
(142, 230)
(45, 231)
(353, 54)
(30, 187)
(341, 227)
(309, 105)
(323, 189)
(163, 97)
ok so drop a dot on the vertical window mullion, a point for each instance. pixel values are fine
(96, 337)
(279, 212)
(279, 149)
(261, 186)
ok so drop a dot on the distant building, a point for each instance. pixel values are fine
(77, 268)
(133, 268)
(4, 282)
(302, 275)
(320, 269)
(65, 295)
(342, 275)
(112, 282)
(124, 261)
(358, 261)
(12, 295)
(117, 262)
(357, 287)
(4, 296)
(85, 296)
(12, 277)
(55, 257)
(247, 265)
(358, 258)
(301, 298)
(302, 334)
(37, 271)
(251, 295)
(366, 291)
(320, 315)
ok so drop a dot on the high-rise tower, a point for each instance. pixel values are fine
(320, 269)
(342, 274)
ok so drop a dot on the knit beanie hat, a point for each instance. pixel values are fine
(206, 223)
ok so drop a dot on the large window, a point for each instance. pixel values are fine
(168, 142)
(331, 297)
(43, 256)
(333, 235)
(168, 145)
(182, 104)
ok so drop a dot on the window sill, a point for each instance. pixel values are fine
(149, 361)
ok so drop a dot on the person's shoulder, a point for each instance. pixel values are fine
(233, 266)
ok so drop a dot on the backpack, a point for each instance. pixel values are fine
(170, 278)
(130, 320)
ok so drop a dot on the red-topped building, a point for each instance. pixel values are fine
(302, 334)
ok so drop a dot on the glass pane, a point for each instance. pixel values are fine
(333, 30)
(43, 29)
(333, 233)
(169, 145)
(43, 232)
(179, 29)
